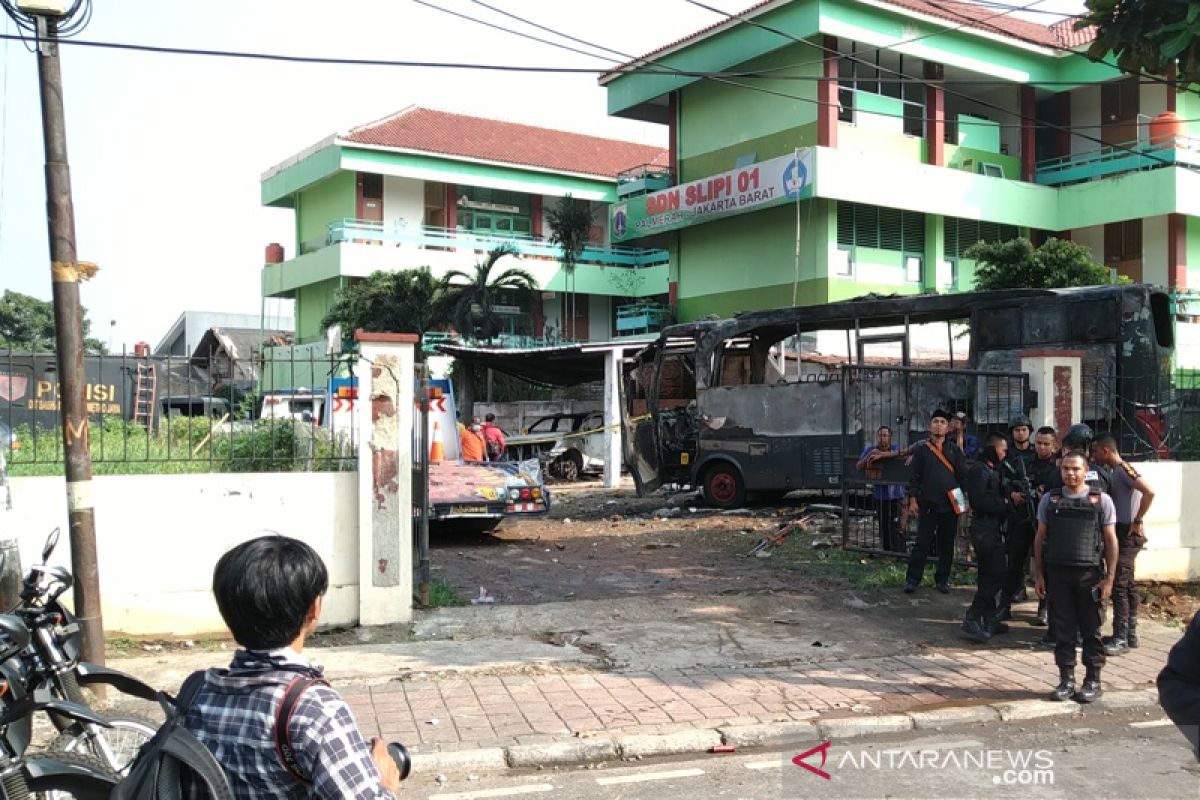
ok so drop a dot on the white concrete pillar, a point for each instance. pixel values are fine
(1056, 376)
(385, 523)
(612, 418)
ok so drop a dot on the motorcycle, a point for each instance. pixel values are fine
(49, 775)
(54, 672)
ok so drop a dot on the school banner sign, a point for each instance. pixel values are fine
(768, 183)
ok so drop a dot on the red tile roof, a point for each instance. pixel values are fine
(446, 134)
(966, 15)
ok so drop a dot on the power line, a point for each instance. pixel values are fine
(1033, 120)
(529, 36)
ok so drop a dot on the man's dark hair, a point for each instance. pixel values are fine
(1047, 429)
(1107, 441)
(993, 438)
(489, 417)
(882, 428)
(265, 587)
(1075, 454)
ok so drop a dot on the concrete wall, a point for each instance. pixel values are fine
(403, 199)
(1173, 550)
(1091, 237)
(516, 416)
(1154, 250)
(159, 537)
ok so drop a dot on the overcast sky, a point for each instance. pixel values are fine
(166, 150)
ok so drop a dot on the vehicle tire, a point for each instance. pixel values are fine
(59, 787)
(569, 466)
(723, 486)
(127, 734)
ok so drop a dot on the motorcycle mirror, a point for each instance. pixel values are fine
(51, 542)
(13, 629)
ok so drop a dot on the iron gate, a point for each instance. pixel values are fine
(874, 514)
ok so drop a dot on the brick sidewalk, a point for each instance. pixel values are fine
(491, 711)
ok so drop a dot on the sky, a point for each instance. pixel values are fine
(166, 151)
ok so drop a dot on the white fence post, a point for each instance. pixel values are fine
(1056, 376)
(385, 425)
(612, 418)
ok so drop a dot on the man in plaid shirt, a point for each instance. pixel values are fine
(269, 591)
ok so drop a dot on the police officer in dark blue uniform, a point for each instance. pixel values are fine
(1076, 554)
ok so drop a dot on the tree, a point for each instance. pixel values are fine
(470, 302)
(470, 298)
(628, 282)
(409, 301)
(570, 224)
(27, 323)
(1016, 264)
(1151, 36)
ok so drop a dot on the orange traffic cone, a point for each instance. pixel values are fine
(437, 451)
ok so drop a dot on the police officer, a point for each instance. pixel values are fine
(1132, 497)
(938, 468)
(1075, 550)
(1017, 470)
(991, 505)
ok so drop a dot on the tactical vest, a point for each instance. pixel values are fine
(1073, 530)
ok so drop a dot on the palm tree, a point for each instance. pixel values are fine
(470, 298)
(408, 301)
(469, 301)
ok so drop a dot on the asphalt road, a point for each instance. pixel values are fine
(1126, 755)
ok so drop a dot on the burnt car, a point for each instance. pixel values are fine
(567, 445)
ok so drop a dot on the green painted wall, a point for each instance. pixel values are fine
(881, 143)
(955, 156)
(726, 255)
(1193, 252)
(737, 45)
(765, 147)
(312, 303)
(330, 200)
(716, 116)
(278, 190)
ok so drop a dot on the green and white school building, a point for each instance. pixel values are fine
(430, 188)
(865, 144)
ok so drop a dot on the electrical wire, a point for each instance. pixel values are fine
(1034, 121)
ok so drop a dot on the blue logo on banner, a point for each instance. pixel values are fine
(620, 223)
(795, 178)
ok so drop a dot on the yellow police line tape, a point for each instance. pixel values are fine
(576, 434)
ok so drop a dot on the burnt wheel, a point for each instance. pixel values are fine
(723, 486)
(569, 466)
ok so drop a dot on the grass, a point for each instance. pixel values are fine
(852, 569)
(443, 595)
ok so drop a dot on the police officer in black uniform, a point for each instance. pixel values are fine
(991, 506)
(1018, 472)
(1075, 550)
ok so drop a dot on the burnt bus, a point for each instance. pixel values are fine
(735, 406)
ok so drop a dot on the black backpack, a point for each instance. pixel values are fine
(159, 769)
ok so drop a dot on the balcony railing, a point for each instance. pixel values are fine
(400, 234)
(642, 179)
(1118, 158)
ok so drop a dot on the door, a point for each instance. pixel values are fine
(638, 442)
(369, 208)
(1123, 248)
(1118, 111)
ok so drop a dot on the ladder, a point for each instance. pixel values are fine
(144, 389)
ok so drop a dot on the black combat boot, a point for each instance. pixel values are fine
(1005, 613)
(975, 629)
(1117, 644)
(1131, 639)
(1041, 619)
(1090, 690)
(994, 625)
(1066, 684)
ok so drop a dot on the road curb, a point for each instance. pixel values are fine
(593, 750)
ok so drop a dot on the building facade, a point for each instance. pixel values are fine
(430, 188)
(863, 145)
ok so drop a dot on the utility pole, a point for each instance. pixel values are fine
(66, 272)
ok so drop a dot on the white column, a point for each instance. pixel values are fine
(385, 441)
(612, 418)
(1056, 376)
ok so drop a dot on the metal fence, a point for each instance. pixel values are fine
(901, 399)
(279, 409)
